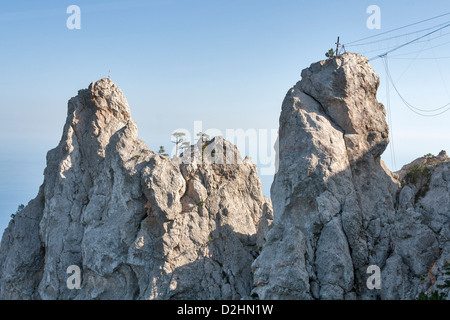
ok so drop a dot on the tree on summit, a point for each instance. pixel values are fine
(162, 151)
(185, 145)
(203, 136)
(178, 140)
(330, 53)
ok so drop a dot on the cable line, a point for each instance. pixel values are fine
(424, 58)
(412, 61)
(391, 131)
(398, 36)
(409, 25)
(442, 76)
(414, 109)
(419, 41)
(409, 42)
(408, 53)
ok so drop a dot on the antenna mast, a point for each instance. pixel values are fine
(337, 45)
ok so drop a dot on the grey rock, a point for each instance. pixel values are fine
(333, 262)
(143, 226)
(139, 225)
(22, 253)
(336, 200)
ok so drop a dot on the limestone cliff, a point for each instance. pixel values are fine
(338, 209)
(143, 226)
(138, 224)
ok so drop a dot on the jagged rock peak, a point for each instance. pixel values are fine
(102, 97)
(428, 160)
(93, 117)
(346, 87)
(338, 209)
(138, 224)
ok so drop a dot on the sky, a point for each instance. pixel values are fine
(226, 65)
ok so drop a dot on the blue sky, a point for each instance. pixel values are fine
(227, 63)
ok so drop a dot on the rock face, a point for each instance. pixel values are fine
(422, 231)
(142, 226)
(338, 209)
(138, 224)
